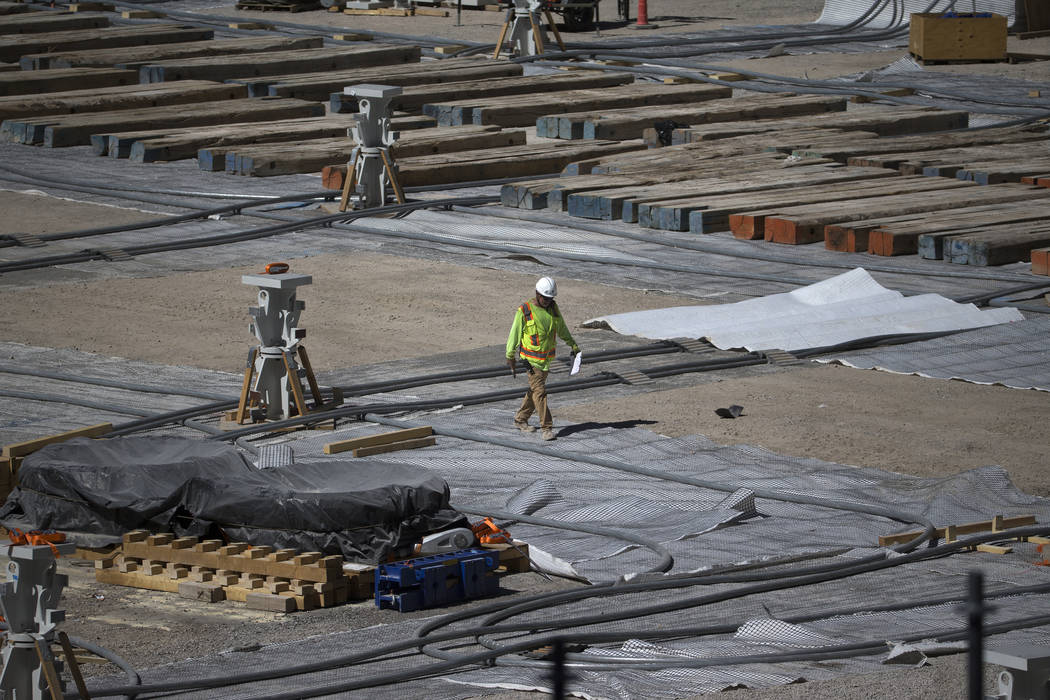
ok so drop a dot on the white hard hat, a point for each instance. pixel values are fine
(547, 287)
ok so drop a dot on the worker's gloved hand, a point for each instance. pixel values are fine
(513, 364)
(574, 351)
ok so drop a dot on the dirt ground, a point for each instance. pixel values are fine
(907, 424)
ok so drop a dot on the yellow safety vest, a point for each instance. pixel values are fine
(537, 343)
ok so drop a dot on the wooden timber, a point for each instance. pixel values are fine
(515, 161)
(540, 194)
(16, 8)
(210, 145)
(930, 142)
(712, 213)
(158, 145)
(380, 439)
(76, 129)
(522, 110)
(277, 62)
(395, 447)
(965, 529)
(800, 225)
(884, 123)
(1006, 170)
(943, 161)
(311, 156)
(116, 98)
(44, 22)
(660, 204)
(185, 46)
(900, 235)
(12, 48)
(619, 124)
(8, 67)
(1041, 261)
(30, 82)
(321, 86)
(413, 98)
(997, 245)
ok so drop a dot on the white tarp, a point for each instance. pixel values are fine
(847, 307)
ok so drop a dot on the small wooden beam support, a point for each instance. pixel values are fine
(395, 446)
(951, 532)
(21, 449)
(381, 439)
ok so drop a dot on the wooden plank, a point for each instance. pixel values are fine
(522, 110)
(1041, 261)
(16, 8)
(43, 22)
(381, 439)
(896, 237)
(413, 98)
(13, 47)
(615, 124)
(240, 558)
(928, 142)
(798, 226)
(395, 447)
(21, 449)
(176, 144)
(277, 62)
(28, 82)
(76, 129)
(965, 529)
(180, 43)
(1002, 245)
(311, 156)
(517, 161)
(320, 86)
(117, 98)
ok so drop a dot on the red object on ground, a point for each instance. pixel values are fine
(643, 13)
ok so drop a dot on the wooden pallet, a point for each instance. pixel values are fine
(263, 578)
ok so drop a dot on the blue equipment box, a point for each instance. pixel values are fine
(438, 579)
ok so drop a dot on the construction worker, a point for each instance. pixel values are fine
(537, 325)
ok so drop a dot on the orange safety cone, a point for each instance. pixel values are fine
(643, 17)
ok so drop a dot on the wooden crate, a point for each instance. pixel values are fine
(935, 37)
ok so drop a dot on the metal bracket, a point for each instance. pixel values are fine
(1031, 675)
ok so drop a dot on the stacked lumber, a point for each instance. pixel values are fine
(187, 44)
(263, 578)
(277, 63)
(806, 223)
(413, 98)
(281, 580)
(1042, 180)
(12, 454)
(61, 79)
(522, 110)
(162, 145)
(631, 123)
(928, 142)
(468, 166)
(1041, 261)
(16, 8)
(118, 97)
(906, 120)
(13, 47)
(77, 129)
(321, 86)
(44, 22)
(311, 156)
(408, 439)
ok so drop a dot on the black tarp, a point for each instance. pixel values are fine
(96, 490)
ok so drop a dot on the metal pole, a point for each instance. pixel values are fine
(459, 12)
(558, 670)
(975, 610)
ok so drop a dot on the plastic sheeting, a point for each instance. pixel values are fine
(846, 307)
(841, 12)
(361, 509)
(1016, 355)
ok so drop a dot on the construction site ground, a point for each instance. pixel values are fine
(378, 304)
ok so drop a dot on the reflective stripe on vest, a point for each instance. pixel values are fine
(538, 355)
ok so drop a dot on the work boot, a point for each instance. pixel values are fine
(524, 427)
(548, 434)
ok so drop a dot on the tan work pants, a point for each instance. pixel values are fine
(535, 400)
